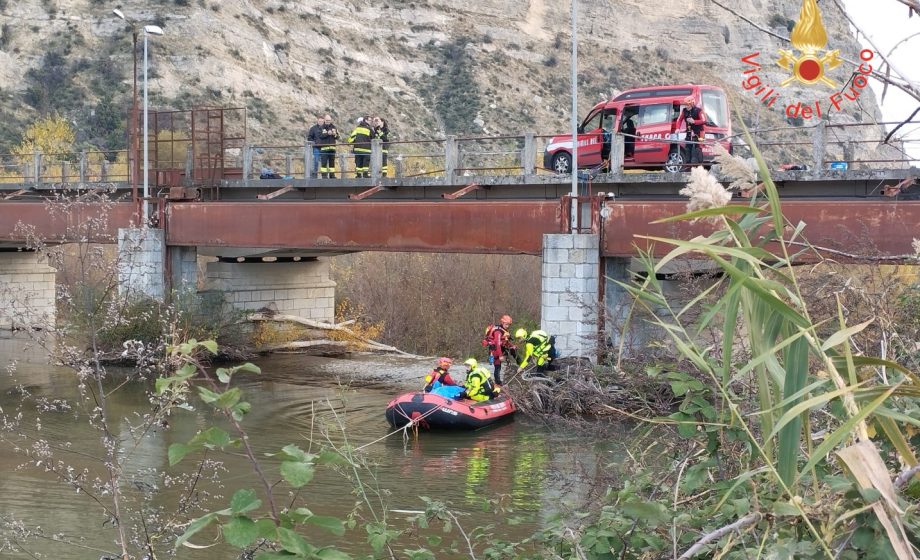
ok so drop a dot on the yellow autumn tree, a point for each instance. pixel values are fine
(50, 135)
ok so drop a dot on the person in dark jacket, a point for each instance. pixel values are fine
(382, 131)
(360, 139)
(327, 139)
(693, 118)
(314, 135)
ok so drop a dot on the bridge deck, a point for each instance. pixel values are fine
(852, 212)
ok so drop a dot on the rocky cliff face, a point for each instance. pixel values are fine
(432, 66)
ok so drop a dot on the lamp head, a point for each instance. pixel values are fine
(153, 30)
(119, 13)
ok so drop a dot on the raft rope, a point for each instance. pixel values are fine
(413, 423)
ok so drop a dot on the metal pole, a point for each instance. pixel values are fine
(132, 160)
(146, 162)
(574, 114)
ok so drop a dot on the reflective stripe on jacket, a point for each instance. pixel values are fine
(361, 138)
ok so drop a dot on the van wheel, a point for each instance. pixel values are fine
(676, 160)
(562, 163)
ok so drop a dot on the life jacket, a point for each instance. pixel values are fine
(503, 340)
(479, 385)
(541, 342)
(434, 379)
(487, 339)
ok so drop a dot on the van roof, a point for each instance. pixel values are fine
(681, 90)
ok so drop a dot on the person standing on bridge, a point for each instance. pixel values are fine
(382, 131)
(360, 139)
(692, 117)
(315, 135)
(327, 139)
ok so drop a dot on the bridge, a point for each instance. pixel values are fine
(271, 234)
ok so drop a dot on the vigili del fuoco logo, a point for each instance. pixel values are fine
(808, 63)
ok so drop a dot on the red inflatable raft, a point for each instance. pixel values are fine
(435, 411)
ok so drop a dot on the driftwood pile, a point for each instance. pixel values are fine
(322, 343)
(579, 389)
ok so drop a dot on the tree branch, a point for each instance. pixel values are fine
(719, 533)
(854, 256)
(736, 14)
(905, 476)
(912, 4)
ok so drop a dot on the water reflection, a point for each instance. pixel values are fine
(304, 400)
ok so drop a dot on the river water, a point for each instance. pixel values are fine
(532, 467)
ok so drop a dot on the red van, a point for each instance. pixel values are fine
(652, 113)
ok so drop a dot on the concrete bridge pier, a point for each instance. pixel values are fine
(27, 291)
(617, 305)
(141, 264)
(570, 292)
(300, 286)
(183, 268)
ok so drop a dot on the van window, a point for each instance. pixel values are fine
(654, 114)
(661, 92)
(592, 123)
(610, 117)
(714, 107)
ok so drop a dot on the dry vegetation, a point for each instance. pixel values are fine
(439, 303)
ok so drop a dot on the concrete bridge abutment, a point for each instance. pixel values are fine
(27, 291)
(292, 287)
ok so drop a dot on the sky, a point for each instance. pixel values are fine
(885, 22)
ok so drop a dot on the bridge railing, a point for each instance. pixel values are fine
(825, 146)
(52, 169)
(446, 158)
(819, 147)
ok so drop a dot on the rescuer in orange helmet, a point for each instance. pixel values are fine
(439, 375)
(498, 341)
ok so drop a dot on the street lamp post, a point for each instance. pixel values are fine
(575, 208)
(148, 30)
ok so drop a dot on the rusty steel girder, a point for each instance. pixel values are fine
(64, 226)
(511, 227)
(848, 228)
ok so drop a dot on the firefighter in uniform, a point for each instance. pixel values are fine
(360, 139)
(539, 346)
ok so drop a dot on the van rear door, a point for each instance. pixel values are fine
(653, 130)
